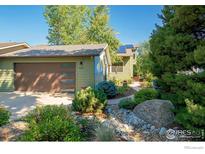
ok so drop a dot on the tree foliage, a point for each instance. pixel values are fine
(67, 24)
(143, 64)
(80, 25)
(177, 50)
(100, 31)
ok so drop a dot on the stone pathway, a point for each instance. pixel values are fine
(135, 85)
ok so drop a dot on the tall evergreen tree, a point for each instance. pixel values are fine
(177, 52)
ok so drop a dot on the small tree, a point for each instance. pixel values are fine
(143, 64)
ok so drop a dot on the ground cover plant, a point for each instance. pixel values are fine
(127, 103)
(139, 97)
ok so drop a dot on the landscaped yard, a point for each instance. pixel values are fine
(90, 118)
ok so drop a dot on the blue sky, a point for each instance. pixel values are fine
(27, 24)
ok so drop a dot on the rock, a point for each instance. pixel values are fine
(148, 126)
(144, 127)
(162, 131)
(145, 132)
(156, 130)
(156, 112)
(152, 128)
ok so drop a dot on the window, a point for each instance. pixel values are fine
(117, 67)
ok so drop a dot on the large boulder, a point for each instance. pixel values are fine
(156, 112)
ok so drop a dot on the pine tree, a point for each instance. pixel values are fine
(177, 51)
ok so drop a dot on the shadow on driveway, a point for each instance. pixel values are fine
(20, 103)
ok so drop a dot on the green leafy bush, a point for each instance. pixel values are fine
(145, 94)
(127, 103)
(51, 123)
(4, 116)
(108, 87)
(104, 133)
(89, 100)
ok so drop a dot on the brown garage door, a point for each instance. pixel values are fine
(45, 77)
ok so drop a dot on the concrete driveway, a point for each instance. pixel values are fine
(20, 103)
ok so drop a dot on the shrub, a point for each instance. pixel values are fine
(127, 103)
(145, 94)
(104, 133)
(108, 87)
(116, 81)
(88, 100)
(122, 89)
(4, 116)
(51, 123)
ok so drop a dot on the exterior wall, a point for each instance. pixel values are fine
(127, 73)
(101, 68)
(3, 51)
(84, 72)
(6, 76)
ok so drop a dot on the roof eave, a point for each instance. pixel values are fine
(16, 45)
(51, 56)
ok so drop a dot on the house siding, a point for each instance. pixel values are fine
(100, 68)
(127, 73)
(84, 72)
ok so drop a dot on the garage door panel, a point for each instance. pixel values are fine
(43, 77)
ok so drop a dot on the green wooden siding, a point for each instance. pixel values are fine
(84, 72)
(127, 73)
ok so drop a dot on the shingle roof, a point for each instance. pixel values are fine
(58, 50)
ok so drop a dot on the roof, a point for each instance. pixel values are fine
(126, 50)
(58, 50)
(123, 48)
(4, 45)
